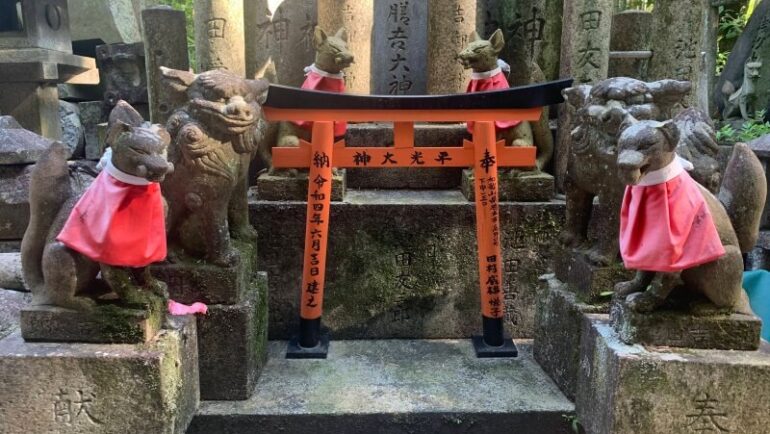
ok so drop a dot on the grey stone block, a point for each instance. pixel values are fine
(92, 113)
(73, 133)
(588, 280)
(11, 276)
(515, 186)
(403, 264)
(294, 187)
(625, 389)
(100, 389)
(676, 326)
(18, 145)
(558, 330)
(232, 341)
(11, 303)
(14, 201)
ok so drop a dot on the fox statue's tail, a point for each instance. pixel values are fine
(743, 194)
(48, 191)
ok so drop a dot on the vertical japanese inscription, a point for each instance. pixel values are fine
(589, 52)
(398, 41)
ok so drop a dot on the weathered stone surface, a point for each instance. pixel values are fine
(585, 278)
(14, 201)
(101, 389)
(219, 37)
(232, 342)
(73, 134)
(11, 303)
(515, 186)
(165, 44)
(40, 25)
(294, 187)
(403, 264)
(191, 280)
(10, 246)
(624, 389)
(283, 38)
(450, 22)
(395, 386)
(112, 22)
(34, 105)
(378, 134)
(123, 73)
(400, 35)
(631, 31)
(558, 330)
(357, 16)
(92, 114)
(18, 145)
(676, 326)
(106, 324)
(10, 271)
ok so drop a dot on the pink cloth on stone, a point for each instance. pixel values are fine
(665, 223)
(491, 80)
(175, 308)
(316, 79)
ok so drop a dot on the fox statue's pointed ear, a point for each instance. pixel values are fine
(177, 79)
(671, 132)
(497, 40)
(123, 112)
(319, 37)
(473, 37)
(342, 33)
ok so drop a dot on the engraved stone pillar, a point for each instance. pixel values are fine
(682, 31)
(165, 44)
(400, 39)
(219, 37)
(631, 31)
(585, 50)
(357, 16)
(283, 36)
(450, 22)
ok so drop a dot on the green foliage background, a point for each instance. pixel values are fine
(187, 7)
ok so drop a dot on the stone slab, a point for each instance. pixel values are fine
(14, 201)
(73, 134)
(394, 386)
(92, 113)
(112, 22)
(232, 341)
(105, 324)
(34, 105)
(98, 388)
(400, 35)
(624, 389)
(191, 280)
(11, 276)
(558, 330)
(515, 186)
(403, 264)
(11, 303)
(675, 326)
(588, 280)
(10, 246)
(18, 145)
(294, 187)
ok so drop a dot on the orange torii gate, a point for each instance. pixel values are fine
(485, 154)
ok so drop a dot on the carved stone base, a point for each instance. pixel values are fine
(98, 388)
(627, 389)
(558, 321)
(585, 278)
(284, 187)
(105, 324)
(190, 280)
(676, 327)
(515, 186)
(232, 340)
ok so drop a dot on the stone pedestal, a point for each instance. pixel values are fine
(624, 389)
(112, 22)
(165, 44)
(219, 36)
(558, 330)
(294, 187)
(631, 31)
(674, 325)
(101, 389)
(585, 278)
(403, 263)
(357, 16)
(450, 23)
(11, 303)
(515, 186)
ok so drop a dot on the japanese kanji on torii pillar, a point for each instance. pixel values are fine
(484, 153)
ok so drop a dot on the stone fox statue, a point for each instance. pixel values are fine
(115, 227)
(481, 56)
(215, 135)
(674, 230)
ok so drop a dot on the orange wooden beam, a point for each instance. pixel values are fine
(448, 115)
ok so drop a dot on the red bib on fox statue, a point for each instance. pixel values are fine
(316, 79)
(490, 80)
(665, 223)
(118, 221)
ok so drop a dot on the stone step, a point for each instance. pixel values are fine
(394, 386)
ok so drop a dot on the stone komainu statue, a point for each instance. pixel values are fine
(601, 113)
(216, 132)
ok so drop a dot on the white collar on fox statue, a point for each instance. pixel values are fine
(322, 73)
(486, 74)
(123, 176)
(667, 173)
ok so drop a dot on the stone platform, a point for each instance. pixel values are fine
(394, 386)
(403, 264)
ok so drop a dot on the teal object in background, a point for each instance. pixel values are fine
(757, 285)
